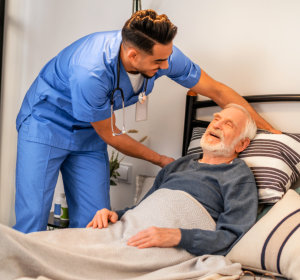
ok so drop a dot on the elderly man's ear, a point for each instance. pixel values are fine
(242, 145)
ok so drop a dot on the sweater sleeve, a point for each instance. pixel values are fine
(240, 209)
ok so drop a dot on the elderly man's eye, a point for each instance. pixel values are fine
(229, 124)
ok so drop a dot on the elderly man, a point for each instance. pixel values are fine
(220, 181)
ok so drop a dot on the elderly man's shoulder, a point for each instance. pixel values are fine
(239, 163)
(241, 169)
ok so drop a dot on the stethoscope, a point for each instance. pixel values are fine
(141, 100)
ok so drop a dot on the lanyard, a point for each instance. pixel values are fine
(141, 99)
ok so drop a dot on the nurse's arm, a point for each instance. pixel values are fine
(127, 145)
(223, 95)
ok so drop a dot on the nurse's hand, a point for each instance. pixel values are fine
(102, 218)
(275, 131)
(164, 160)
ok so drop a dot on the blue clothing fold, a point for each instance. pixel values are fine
(86, 184)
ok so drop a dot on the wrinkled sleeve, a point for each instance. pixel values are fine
(240, 210)
(89, 92)
(182, 70)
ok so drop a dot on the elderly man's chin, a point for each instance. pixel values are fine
(218, 149)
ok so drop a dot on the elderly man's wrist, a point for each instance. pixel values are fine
(184, 238)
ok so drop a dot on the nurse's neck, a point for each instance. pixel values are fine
(128, 55)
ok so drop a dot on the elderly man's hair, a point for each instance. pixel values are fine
(250, 126)
(146, 28)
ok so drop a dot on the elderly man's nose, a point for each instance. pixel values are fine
(218, 124)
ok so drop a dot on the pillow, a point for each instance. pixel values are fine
(272, 244)
(194, 146)
(265, 208)
(273, 158)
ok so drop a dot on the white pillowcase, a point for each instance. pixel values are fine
(273, 243)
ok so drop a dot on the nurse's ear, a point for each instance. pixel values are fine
(132, 54)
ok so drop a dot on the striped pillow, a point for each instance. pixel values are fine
(273, 158)
(272, 244)
(194, 146)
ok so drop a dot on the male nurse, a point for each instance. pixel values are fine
(65, 121)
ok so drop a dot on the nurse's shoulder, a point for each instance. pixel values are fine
(93, 50)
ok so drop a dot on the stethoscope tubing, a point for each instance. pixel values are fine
(118, 88)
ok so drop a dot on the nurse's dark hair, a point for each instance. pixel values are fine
(146, 28)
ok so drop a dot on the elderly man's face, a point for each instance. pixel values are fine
(223, 133)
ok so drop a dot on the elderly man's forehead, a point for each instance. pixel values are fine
(234, 114)
(234, 109)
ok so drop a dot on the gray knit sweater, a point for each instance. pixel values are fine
(227, 191)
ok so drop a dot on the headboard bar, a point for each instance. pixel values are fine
(192, 105)
(254, 98)
(190, 115)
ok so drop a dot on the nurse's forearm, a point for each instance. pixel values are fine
(228, 95)
(224, 95)
(127, 145)
(130, 147)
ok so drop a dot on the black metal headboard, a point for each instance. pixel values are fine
(192, 105)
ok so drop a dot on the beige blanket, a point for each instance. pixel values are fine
(82, 254)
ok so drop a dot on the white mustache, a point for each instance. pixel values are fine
(218, 133)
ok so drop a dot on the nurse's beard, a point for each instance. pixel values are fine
(147, 76)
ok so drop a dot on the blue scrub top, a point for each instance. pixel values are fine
(73, 89)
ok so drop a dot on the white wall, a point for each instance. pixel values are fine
(252, 46)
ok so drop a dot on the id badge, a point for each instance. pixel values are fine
(141, 110)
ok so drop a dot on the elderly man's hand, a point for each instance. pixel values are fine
(102, 218)
(156, 237)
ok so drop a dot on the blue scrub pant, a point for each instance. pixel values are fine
(85, 177)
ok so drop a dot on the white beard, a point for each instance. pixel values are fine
(219, 149)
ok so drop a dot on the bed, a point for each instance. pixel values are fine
(272, 245)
